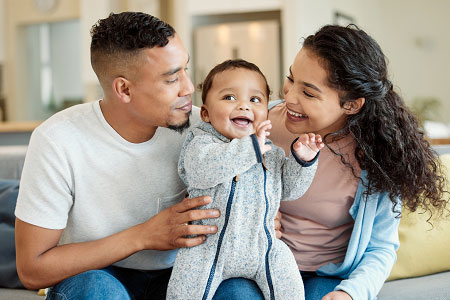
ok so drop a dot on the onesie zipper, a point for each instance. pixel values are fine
(269, 241)
(222, 233)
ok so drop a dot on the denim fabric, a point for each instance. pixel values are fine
(114, 283)
(238, 288)
(318, 286)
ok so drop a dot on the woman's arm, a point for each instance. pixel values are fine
(379, 257)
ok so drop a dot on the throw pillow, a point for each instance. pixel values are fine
(424, 248)
(8, 273)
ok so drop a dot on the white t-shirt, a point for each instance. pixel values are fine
(80, 175)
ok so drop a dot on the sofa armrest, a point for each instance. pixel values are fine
(11, 161)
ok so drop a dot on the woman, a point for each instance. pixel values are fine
(343, 231)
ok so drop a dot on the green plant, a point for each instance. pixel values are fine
(426, 108)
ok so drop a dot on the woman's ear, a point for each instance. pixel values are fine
(204, 113)
(354, 106)
(121, 88)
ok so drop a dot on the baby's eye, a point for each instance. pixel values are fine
(255, 100)
(229, 97)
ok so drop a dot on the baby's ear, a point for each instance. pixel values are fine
(204, 113)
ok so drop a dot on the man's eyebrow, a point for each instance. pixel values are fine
(176, 70)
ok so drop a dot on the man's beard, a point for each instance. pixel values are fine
(181, 127)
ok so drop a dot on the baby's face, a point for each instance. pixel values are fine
(236, 103)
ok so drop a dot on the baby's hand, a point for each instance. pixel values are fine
(261, 133)
(307, 146)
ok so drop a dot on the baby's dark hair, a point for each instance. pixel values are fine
(229, 65)
(120, 37)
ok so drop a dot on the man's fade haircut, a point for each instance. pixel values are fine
(229, 65)
(120, 37)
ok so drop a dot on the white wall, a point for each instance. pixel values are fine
(301, 18)
(416, 41)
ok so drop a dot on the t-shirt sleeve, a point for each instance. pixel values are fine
(45, 193)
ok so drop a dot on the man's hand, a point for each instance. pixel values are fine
(307, 146)
(337, 295)
(261, 133)
(39, 257)
(168, 229)
(277, 223)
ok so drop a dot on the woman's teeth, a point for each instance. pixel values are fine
(298, 115)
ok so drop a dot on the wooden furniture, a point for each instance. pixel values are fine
(16, 133)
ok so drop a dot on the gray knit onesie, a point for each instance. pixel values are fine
(248, 194)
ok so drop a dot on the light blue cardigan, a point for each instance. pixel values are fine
(371, 251)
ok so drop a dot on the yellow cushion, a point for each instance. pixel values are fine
(424, 248)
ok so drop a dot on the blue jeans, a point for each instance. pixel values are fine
(318, 286)
(114, 283)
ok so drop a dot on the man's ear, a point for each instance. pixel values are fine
(354, 106)
(204, 113)
(121, 88)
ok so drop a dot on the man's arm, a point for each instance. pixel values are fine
(41, 263)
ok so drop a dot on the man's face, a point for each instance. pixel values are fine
(160, 90)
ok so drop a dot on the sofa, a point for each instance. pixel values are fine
(430, 286)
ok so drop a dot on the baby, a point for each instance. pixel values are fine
(228, 157)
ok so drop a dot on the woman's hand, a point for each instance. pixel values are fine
(337, 295)
(277, 223)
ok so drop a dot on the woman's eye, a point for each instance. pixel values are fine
(255, 100)
(290, 78)
(229, 97)
(308, 94)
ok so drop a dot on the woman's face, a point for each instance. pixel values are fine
(312, 106)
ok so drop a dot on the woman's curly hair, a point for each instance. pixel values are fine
(390, 145)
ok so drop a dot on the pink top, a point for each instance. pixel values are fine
(317, 227)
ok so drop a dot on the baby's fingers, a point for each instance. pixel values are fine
(318, 143)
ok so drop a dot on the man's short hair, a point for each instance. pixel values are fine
(119, 38)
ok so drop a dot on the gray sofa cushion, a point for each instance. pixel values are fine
(14, 294)
(431, 287)
(8, 196)
(11, 161)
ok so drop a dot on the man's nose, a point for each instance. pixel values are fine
(187, 87)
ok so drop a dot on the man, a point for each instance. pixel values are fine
(99, 205)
